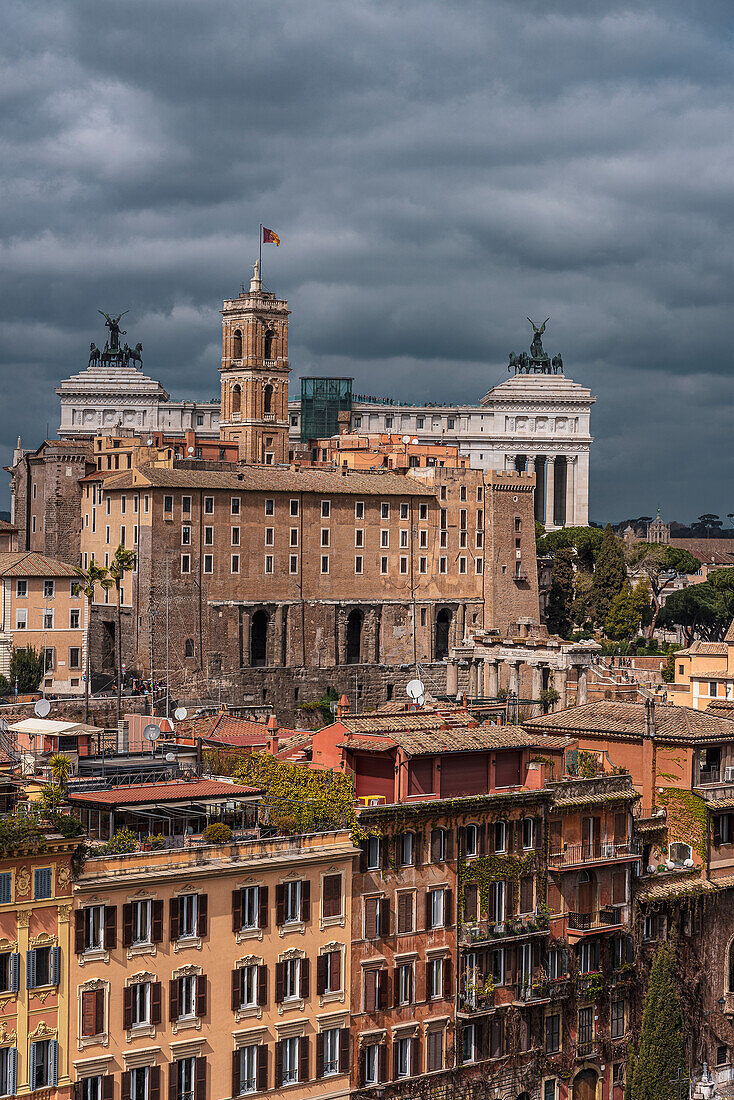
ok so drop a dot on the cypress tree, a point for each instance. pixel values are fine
(560, 596)
(661, 1052)
(610, 575)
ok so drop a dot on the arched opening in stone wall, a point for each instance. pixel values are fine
(584, 1085)
(237, 399)
(443, 626)
(268, 398)
(189, 647)
(259, 638)
(237, 345)
(355, 620)
(269, 341)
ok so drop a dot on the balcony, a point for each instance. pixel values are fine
(708, 775)
(532, 991)
(485, 931)
(611, 916)
(587, 1050)
(576, 855)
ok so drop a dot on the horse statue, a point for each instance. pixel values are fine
(523, 362)
(134, 355)
(557, 364)
(94, 354)
(109, 355)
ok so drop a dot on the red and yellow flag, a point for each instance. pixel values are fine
(270, 236)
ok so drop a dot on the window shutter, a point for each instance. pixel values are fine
(278, 1065)
(55, 965)
(154, 1083)
(32, 1066)
(449, 845)
(53, 1051)
(428, 924)
(236, 910)
(280, 907)
(395, 985)
(125, 1084)
(344, 1050)
(236, 989)
(321, 965)
(99, 1011)
(279, 983)
(482, 839)
(305, 978)
(717, 831)
(384, 904)
(370, 990)
(448, 985)
(383, 980)
(428, 971)
(435, 845)
(262, 985)
(385, 845)
(236, 1058)
(306, 900)
(79, 932)
(492, 901)
(156, 998)
(15, 972)
(395, 1059)
(108, 1087)
(201, 995)
(89, 1002)
(362, 1067)
(320, 1055)
(526, 894)
(200, 1079)
(370, 918)
(303, 1044)
(262, 1068)
(110, 927)
(415, 1056)
(157, 936)
(127, 931)
(203, 920)
(334, 966)
(13, 1072)
(172, 1082)
(448, 908)
(30, 969)
(262, 906)
(173, 1000)
(174, 913)
(363, 856)
(417, 849)
(127, 1008)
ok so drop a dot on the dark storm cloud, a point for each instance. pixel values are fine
(436, 171)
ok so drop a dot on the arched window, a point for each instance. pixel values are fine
(237, 345)
(236, 398)
(680, 853)
(443, 625)
(438, 845)
(354, 637)
(500, 836)
(471, 840)
(189, 647)
(269, 341)
(259, 638)
(406, 849)
(584, 1085)
(268, 394)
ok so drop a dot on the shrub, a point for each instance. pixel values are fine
(123, 841)
(66, 824)
(155, 841)
(217, 833)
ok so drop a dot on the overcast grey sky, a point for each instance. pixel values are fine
(436, 172)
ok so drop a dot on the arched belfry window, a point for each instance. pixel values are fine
(268, 395)
(237, 345)
(236, 398)
(269, 342)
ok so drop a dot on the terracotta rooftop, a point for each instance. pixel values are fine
(175, 791)
(584, 799)
(272, 479)
(682, 725)
(425, 741)
(705, 649)
(29, 563)
(679, 884)
(388, 724)
(711, 551)
(225, 729)
(725, 707)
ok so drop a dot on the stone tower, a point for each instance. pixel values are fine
(255, 374)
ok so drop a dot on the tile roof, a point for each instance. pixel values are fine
(409, 720)
(673, 724)
(175, 791)
(29, 563)
(225, 729)
(726, 706)
(430, 739)
(717, 803)
(709, 649)
(5, 526)
(711, 551)
(585, 799)
(677, 884)
(275, 479)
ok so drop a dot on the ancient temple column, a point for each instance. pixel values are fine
(581, 695)
(472, 679)
(514, 685)
(550, 488)
(490, 679)
(452, 678)
(560, 680)
(537, 683)
(570, 490)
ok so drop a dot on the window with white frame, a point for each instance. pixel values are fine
(404, 1056)
(141, 922)
(471, 840)
(331, 1051)
(247, 1057)
(469, 1043)
(371, 1063)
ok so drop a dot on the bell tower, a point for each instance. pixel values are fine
(254, 374)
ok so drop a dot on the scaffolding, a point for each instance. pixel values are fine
(322, 399)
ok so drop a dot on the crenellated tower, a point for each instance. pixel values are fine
(255, 374)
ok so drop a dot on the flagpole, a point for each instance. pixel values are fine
(261, 252)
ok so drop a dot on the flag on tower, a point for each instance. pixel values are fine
(270, 236)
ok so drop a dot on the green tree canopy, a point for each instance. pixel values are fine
(708, 525)
(699, 610)
(610, 575)
(661, 565)
(586, 541)
(630, 610)
(661, 1053)
(26, 666)
(560, 597)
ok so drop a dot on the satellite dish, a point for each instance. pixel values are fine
(150, 442)
(180, 713)
(416, 441)
(42, 708)
(406, 439)
(170, 756)
(190, 450)
(415, 690)
(152, 732)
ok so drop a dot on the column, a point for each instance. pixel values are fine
(490, 679)
(472, 679)
(514, 685)
(570, 490)
(581, 512)
(550, 488)
(581, 696)
(560, 680)
(537, 683)
(452, 678)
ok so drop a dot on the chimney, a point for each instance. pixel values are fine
(342, 706)
(272, 745)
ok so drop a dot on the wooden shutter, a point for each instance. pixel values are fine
(405, 912)
(320, 1055)
(156, 998)
(203, 921)
(362, 1068)
(200, 1079)
(278, 1064)
(386, 843)
(618, 887)
(370, 918)
(127, 929)
(620, 828)
(428, 923)
(417, 849)
(236, 989)
(157, 936)
(449, 854)
(262, 906)
(363, 856)
(98, 1011)
(554, 837)
(471, 901)
(395, 985)
(370, 990)
(415, 1056)
(482, 839)
(236, 911)
(262, 985)
(174, 912)
(280, 908)
(306, 900)
(344, 1059)
(434, 1044)
(201, 997)
(303, 1059)
(236, 1059)
(89, 1015)
(448, 985)
(305, 978)
(125, 1085)
(395, 1059)
(383, 980)
(110, 927)
(127, 1008)
(382, 1062)
(322, 963)
(262, 1068)
(492, 901)
(526, 894)
(108, 1087)
(79, 931)
(496, 1034)
(435, 845)
(448, 908)
(279, 973)
(384, 916)
(717, 831)
(154, 1083)
(173, 1081)
(173, 1000)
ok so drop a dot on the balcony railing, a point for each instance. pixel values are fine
(609, 916)
(574, 854)
(709, 775)
(587, 1050)
(484, 930)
